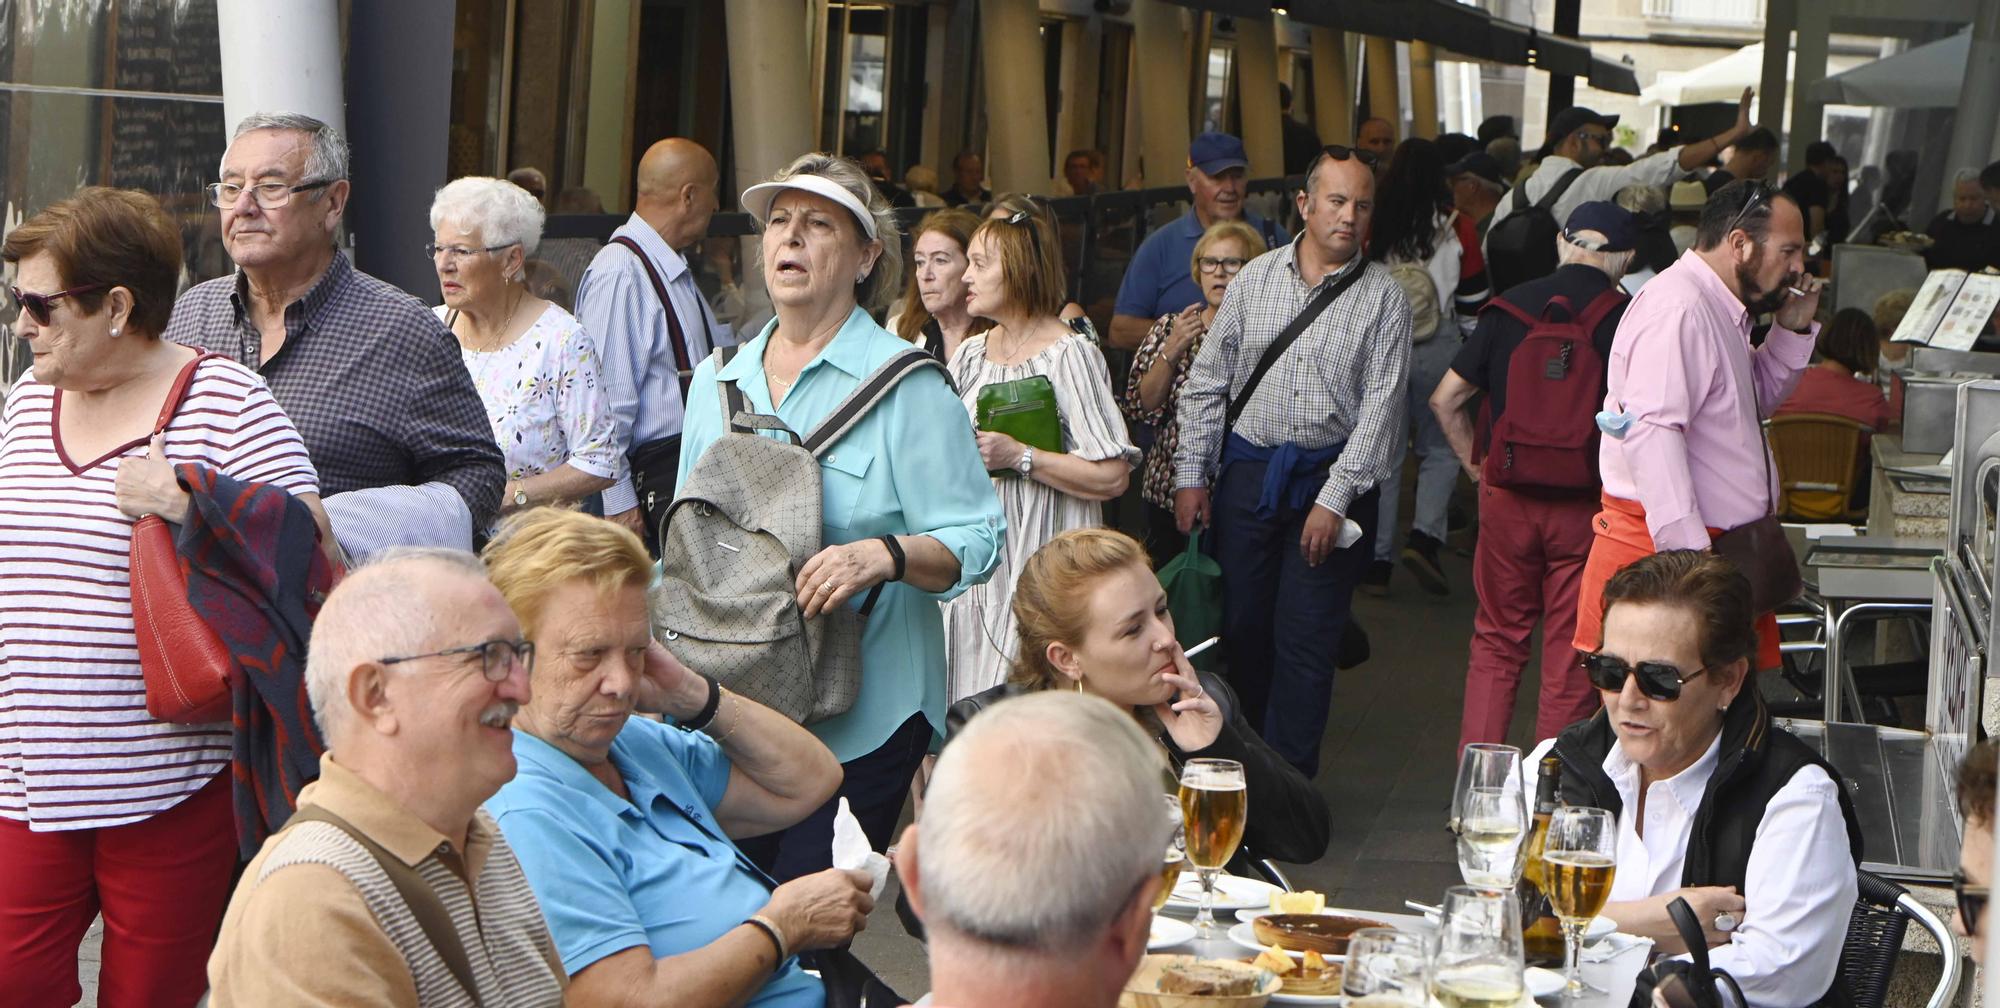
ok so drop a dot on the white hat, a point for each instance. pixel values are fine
(758, 198)
(1688, 194)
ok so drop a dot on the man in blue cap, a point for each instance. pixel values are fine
(1160, 280)
(1534, 530)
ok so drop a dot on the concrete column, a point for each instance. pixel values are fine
(1974, 140)
(768, 61)
(1017, 118)
(1808, 68)
(1423, 90)
(399, 119)
(281, 58)
(1159, 55)
(1257, 96)
(1779, 17)
(1333, 86)
(1382, 103)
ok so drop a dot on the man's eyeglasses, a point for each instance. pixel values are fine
(38, 306)
(453, 253)
(1657, 680)
(497, 658)
(1600, 139)
(269, 195)
(1227, 266)
(1971, 902)
(1342, 153)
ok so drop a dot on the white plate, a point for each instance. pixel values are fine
(1167, 932)
(1599, 928)
(1543, 982)
(1245, 935)
(1232, 892)
(1307, 999)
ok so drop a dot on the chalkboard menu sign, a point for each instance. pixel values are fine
(164, 146)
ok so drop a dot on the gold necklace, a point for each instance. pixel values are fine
(505, 324)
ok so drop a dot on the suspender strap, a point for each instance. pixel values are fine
(1299, 324)
(683, 365)
(429, 911)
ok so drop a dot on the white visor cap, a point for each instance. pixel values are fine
(758, 198)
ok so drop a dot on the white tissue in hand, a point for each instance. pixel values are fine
(851, 850)
(1350, 533)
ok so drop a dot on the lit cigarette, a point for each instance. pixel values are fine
(1203, 646)
(1796, 292)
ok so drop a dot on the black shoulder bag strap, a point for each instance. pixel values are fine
(1299, 324)
(1548, 201)
(429, 911)
(682, 364)
(866, 395)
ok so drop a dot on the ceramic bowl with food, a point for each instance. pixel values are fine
(1326, 934)
(1184, 981)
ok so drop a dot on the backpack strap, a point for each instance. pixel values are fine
(429, 911)
(1520, 198)
(1600, 306)
(1559, 301)
(1513, 310)
(866, 395)
(1548, 201)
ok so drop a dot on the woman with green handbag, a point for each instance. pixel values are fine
(1048, 430)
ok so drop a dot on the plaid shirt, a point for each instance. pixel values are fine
(1343, 380)
(370, 377)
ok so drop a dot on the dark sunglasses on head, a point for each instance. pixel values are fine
(1342, 153)
(1971, 902)
(40, 305)
(1759, 195)
(1657, 680)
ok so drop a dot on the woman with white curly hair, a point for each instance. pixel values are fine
(535, 367)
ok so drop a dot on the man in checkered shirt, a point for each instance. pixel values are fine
(1313, 441)
(372, 379)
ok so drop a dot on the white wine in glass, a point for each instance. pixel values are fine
(1579, 861)
(1214, 802)
(1489, 815)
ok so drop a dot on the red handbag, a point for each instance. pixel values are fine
(186, 667)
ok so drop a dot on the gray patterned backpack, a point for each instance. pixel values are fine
(742, 524)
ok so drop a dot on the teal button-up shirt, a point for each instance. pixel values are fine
(910, 467)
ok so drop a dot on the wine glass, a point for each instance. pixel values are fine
(1214, 801)
(1579, 859)
(1174, 858)
(1387, 968)
(1478, 962)
(1489, 815)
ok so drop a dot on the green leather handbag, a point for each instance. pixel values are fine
(1023, 409)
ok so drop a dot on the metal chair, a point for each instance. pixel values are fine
(1818, 457)
(1882, 912)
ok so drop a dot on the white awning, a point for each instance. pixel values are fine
(1720, 81)
(1925, 77)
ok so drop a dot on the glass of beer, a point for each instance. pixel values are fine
(1579, 859)
(1387, 968)
(1489, 815)
(1479, 962)
(1213, 803)
(1174, 859)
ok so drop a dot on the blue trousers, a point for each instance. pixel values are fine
(1282, 618)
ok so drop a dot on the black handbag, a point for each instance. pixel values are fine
(1689, 983)
(850, 983)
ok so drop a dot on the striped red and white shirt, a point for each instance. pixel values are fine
(77, 748)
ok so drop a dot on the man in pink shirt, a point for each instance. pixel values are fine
(1685, 457)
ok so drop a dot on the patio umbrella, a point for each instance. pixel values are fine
(1925, 77)
(1720, 81)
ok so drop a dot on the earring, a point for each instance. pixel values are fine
(1079, 682)
(114, 332)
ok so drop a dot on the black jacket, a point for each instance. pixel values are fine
(1288, 818)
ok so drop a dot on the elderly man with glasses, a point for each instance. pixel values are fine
(390, 886)
(371, 378)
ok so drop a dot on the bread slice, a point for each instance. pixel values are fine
(1207, 980)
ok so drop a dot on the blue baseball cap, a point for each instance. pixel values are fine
(1215, 153)
(1617, 224)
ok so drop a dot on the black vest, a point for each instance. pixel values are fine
(1755, 761)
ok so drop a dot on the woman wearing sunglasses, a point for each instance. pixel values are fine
(104, 808)
(1714, 802)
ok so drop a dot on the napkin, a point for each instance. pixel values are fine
(851, 850)
(1350, 533)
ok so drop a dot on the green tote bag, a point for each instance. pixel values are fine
(1193, 582)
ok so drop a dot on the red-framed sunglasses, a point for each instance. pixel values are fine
(40, 305)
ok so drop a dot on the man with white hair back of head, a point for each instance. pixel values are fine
(1035, 864)
(1967, 234)
(390, 869)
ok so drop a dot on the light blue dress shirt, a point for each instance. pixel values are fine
(621, 312)
(910, 467)
(656, 871)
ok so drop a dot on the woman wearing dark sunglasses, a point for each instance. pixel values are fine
(1977, 778)
(1714, 802)
(104, 808)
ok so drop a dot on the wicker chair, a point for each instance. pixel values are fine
(1818, 456)
(1882, 912)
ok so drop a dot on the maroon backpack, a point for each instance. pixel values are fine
(1546, 439)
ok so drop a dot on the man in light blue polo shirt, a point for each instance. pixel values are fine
(1160, 280)
(624, 825)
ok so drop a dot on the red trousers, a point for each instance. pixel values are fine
(1525, 570)
(161, 884)
(1622, 537)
